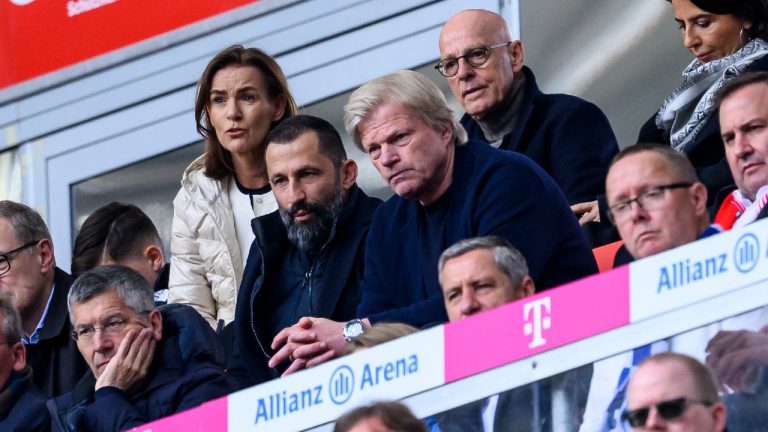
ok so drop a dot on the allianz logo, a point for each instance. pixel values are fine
(342, 384)
(745, 257)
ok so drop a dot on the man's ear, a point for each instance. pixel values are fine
(526, 288)
(699, 195)
(517, 55)
(19, 356)
(155, 256)
(156, 322)
(719, 415)
(44, 251)
(348, 173)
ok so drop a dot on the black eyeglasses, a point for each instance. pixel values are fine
(476, 57)
(668, 410)
(5, 259)
(652, 199)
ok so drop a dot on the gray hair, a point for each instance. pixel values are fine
(11, 321)
(410, 89)
(26, 223)
(509, 260)
(132, 288)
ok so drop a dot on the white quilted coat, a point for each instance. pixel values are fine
(206, 266)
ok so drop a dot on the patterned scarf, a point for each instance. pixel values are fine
(684, 113)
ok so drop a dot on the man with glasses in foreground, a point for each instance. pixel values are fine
(146, 363)
(569, 137)
(673, 392)
(38, 289)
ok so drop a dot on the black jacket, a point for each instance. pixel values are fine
(22, 405)
(186, 371)
(567, 136)
(55, 359)
(336, 292)
(706, 153)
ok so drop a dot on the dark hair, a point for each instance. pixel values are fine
(218, 161)
(329, 140)
(738, 83)
(27, 224)
(676, 160)
(755, 11)
(394, 415)
(116, 231)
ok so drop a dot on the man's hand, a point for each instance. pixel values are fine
(738, 358)
(586, 212)
(308, 343)
(128, 368)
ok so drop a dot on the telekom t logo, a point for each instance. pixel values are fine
(540, 323)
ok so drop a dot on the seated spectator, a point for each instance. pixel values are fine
(380, 417)
(655, 201)
(481, 274)
(657, 204)
(687, 119)
(307, 258)
(673, 392)
(146, 363)
(38, 289)
(477, 275)
(744, 128)
(567, 136)
(378, 334)
(122, 234)
(22, 405)
(445, 190)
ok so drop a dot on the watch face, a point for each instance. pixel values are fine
(353, 329)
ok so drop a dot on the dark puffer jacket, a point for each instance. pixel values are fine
(186, 371)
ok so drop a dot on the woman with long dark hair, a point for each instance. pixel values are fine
(241, 96)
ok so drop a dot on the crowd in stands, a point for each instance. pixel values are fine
(280, 261)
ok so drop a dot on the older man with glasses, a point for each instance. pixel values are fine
(145, 363)
(656, 201)
(569, 137)
(38, 290)
(673, 392)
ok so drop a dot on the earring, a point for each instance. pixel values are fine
(742, 38)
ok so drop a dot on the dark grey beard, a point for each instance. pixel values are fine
(312, 235)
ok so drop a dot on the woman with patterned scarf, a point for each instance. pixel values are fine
(728, 38)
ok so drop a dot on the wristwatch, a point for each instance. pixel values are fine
(353, 329)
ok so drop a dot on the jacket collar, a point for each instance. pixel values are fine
(58, 315)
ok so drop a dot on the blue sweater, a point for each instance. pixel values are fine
(567, 136)
(493, 192)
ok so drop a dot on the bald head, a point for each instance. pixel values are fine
(481, 89)
(477, 21)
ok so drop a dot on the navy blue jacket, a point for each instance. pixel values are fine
(493, 192)
(707, 152)
(22, 405)
(567, 136)
(186, 371)
(55, 359)
(334, 283)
